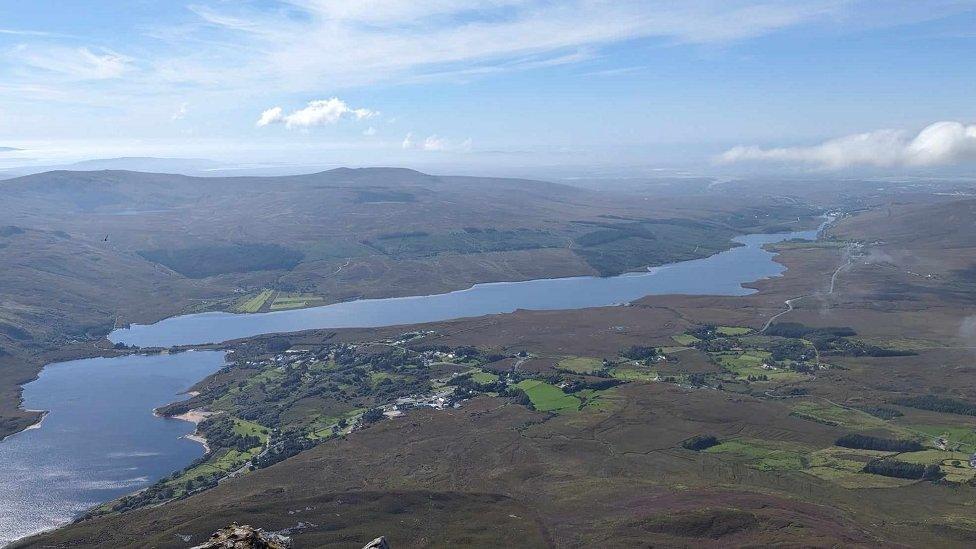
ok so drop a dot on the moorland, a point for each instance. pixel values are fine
(84, 252)
(835, 406)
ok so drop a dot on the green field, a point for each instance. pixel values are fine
(733, 330)
(480, 376)
(830, 414)
(250, 429)
(605, 400)
(227, 460)
(749, 363)
(674, 349)
(964, 436)
(685, 339)
(955, 465)
(254, 304)
(294, 301)
(900, 343)
(933, 455)
(844, 466)
(548, 398)
(628, 374)
(581, 364)
(322, 427)
(765, 455)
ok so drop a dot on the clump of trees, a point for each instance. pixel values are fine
(641, 352)
(700, 442)
(796, 330)
(277, 344)
(220, 433)
(286, 445)
(939, 404)
(790, 350)
(204, 261)
(902, 469)
(704, 332)
(578, 385)
(521, 397)
(175, 409)
(372, 415)
(833, 340)
(881, 412)
(865, 442)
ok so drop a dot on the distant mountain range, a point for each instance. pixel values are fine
(187, 166)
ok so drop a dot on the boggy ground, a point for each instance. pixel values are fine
(495, 472)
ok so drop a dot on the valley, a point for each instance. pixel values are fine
(676, 419)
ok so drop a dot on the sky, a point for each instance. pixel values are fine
(818, 85)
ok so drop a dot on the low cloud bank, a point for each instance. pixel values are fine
(317, 113)
(435, 143)
(939, 144)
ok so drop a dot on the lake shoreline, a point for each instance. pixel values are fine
(36, 425)
(709, 275)
(724, 273)
(101, 437)
(194, 416)
(449, 289)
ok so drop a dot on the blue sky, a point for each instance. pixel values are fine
(820, 84)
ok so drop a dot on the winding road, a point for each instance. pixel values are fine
(833, 282)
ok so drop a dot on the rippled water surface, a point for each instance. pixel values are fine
(100, 439)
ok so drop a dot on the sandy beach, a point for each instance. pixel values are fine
(35, 425)
(195, 416)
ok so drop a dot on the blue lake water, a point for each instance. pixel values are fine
(101, 440)
(720, 274)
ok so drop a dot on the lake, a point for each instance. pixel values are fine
(100, 439)
(720, 274)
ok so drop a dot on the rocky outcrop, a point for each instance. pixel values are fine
(378, 543)
(243, 536)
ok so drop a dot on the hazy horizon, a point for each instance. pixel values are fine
(493, 87)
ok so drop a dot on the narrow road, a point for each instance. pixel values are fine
(833, 282)
(789, 309)
(845, 265)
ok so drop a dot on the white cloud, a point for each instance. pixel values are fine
(180, 112)
(317, 113)
(337, 43)
(940, 143)
(408, 142)
(370, 131)
(270, 116)
(21, 32)
(436, 143)
(74, 63)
